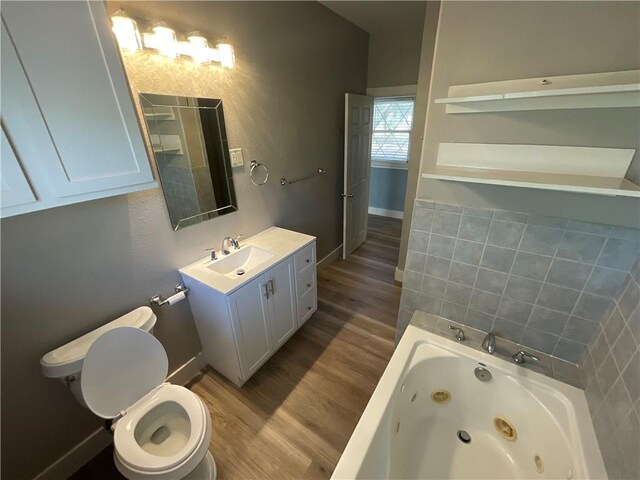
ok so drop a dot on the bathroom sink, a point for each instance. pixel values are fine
(240, 262)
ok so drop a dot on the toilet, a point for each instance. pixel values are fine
(160, 431)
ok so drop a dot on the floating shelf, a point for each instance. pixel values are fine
(160, 113)
(598, 171)
(166, 144)
(596, 90)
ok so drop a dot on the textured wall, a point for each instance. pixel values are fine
(610, 372)
(387, 188)
(544, 282)
(68, 270)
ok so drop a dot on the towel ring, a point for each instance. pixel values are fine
(254, 165)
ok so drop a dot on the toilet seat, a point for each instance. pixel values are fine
(128, 449)
(122, 379)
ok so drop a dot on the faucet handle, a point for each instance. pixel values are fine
(521, 356)
(213, 253)
(459, 333)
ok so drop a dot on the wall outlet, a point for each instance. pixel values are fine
(236, 157)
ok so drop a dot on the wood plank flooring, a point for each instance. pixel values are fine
(294, 417)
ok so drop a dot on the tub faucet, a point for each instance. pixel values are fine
(459, 333)
(489, 343)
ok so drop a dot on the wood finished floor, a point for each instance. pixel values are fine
(294, 417)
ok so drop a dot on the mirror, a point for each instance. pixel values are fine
(190, 147)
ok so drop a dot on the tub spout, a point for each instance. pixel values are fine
(489, 343)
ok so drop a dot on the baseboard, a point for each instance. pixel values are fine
(383, 212)
(329, 259)
(88, 448)
(185, 373)
(398, 275)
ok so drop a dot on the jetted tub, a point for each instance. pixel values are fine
(430, 417)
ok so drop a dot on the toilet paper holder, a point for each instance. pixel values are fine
(181, 292)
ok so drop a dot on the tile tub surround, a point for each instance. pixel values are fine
(546, 283)
(610, 372)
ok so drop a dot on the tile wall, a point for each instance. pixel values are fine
(543, 282)
(610, 372)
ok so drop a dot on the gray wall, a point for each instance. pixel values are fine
(488, 41)
(431, 20)
(543, 282)
(610, 372)
(387, 188)
(68, 270)
(394, 55)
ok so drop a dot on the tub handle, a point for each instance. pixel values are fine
(459, 333)
(522, 356)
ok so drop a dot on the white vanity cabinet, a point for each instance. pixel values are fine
(67, 113)
(240, 329)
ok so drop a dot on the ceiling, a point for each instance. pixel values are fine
(380, 16)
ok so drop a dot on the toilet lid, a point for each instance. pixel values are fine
(121, 367)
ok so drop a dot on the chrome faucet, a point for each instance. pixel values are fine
(489, 343)
(233, 241)
(459, 333)
(521, 356)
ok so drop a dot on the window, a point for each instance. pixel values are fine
(392, 123)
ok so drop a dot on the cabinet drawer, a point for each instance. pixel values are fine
(305, 281)
(305, 257)
(307, 304)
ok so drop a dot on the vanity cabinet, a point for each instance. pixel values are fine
(240, 330)
(68, 118)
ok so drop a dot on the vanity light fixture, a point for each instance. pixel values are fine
(126, 31)
(163, 39)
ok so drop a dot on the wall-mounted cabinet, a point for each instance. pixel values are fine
(599, 171)
(70, 124)
(597, 90)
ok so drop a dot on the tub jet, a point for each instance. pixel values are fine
(464, 436)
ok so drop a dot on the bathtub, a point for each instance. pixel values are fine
(430, 417)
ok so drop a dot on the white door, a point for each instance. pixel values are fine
(281, 306)
(250, 314)
(358, 121)
(14, 188)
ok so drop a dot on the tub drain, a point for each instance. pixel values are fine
(464, 436)
(440, 396)
(505, 429)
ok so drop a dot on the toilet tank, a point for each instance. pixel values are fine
(66, 361)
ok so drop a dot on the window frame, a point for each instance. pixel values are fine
(394, 164)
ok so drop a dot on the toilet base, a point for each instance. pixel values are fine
(206, 469)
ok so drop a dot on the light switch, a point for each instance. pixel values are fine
(236, 157)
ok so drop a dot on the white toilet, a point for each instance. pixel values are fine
(161, 431)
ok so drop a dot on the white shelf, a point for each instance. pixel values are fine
(599, 171)
(166, 144)
(160, 113)
(597, 90)
(543, 181)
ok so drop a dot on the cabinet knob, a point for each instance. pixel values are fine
(308, 285)
(307, 260)
(308, 308)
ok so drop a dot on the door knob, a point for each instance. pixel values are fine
(347, 195)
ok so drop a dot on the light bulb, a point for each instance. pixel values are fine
(126, 31)
(199, 48)
(162, 39)
(226, 55)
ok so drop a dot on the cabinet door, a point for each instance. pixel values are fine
(15, 189)
(81, 94)
(250, 313)
(280, 281)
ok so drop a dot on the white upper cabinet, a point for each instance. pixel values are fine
(67, 108)
(15, 189)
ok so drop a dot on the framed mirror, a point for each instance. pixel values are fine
(192, 155)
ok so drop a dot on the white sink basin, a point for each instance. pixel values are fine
(240, 262)
(256, 255)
